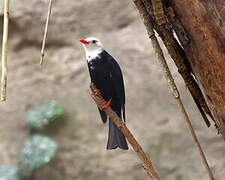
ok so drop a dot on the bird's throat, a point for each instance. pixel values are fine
(93, 54)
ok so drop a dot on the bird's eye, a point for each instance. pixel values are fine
(94, 41)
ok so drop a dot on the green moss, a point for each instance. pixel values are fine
(43, 114)
(37, 151)
(10, 173)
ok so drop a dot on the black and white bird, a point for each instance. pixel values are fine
(106, 75)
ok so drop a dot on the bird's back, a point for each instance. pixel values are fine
(106, 74)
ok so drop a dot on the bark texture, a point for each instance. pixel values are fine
(200, 26)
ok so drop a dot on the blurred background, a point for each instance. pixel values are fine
(152, 114)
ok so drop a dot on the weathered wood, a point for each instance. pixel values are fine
(160, 24)
(204, 24)
(166, 71)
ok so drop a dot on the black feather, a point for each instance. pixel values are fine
(107, 76)
(103, 115)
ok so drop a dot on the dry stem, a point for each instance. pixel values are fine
(46, 31)
(146, 18)
(146, 162)
(4, 50)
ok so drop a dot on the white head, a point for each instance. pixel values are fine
(93, 47)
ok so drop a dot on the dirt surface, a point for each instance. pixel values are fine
(152, 114)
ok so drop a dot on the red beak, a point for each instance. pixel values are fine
(84, 41)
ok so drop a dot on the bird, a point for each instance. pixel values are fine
(106, 75)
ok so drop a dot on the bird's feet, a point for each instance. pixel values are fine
(106, 104)
(97, 92)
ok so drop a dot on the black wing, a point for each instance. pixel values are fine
(117, 79)
(103, 115)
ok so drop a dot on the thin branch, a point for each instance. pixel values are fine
(171, 83)
(146, 162)
(5, 50)
(46, 31)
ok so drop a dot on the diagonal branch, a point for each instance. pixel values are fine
(46, 31)
(146, 162)
(5, 51)
(145, 16)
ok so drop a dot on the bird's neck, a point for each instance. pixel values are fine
(93, 53)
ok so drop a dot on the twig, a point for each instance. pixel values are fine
(4, 50)
(146, 162)
(170, 80)
(46, 31)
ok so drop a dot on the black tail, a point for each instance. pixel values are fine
(116, 138)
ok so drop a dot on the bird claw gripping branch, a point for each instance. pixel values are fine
(97, 92)
(106, 104)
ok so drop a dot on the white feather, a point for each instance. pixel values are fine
(90, 55)
(93, 50)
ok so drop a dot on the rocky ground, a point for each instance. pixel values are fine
(152, 114)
